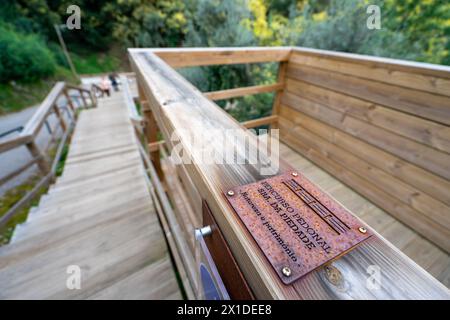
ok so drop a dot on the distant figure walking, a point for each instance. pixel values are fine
(113, 79)
(104, 85)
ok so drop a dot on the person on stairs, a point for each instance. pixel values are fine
(104, 85)
(114, 82)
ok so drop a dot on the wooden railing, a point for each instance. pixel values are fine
(28, 137)
(195, 57)
(381, 126)
(175, 105)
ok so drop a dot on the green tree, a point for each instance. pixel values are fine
(222, 24)
(23, 57)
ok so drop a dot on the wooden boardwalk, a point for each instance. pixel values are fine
(423, 252)
(98, 216)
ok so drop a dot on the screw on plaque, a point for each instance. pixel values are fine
(294, 174)
(230, 193)
(286, 271)
(362, 229)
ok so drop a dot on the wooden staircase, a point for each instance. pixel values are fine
(98, 216)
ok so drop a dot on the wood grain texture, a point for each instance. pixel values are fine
(390, 71)
(400, 235)
(406, 149)
(381, 188)
(180, 107)
(423, 131)
(241, 92)
(383, 120)
(419, 103)
(190, 57)
(260, 121)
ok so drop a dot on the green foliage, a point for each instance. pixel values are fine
(15, 96)
(342, 27)
(92, 63)
(160, 23)
(220, 24)
(411, 30)
(23, 57)
(425, 24)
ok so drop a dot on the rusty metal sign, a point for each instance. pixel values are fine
(297, 226)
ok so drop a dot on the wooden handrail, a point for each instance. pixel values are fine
(260, 121)
(191, 57)
(244, 91)
(29, 134)
(37, 120)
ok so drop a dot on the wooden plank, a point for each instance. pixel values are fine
(416, 153)
(418, 129)
(260, 122)
(241, 92)
(122, 246)
(25, 247)
(14, 142)
(154, 146)
(44, 166)
(427, 182)
(158, 276)
(37, 120)
(191, 57)
(282, 67)
(151, 131)
(424, 252)
(174, 101)
(171, 226)
(176, 252)
(436, 70)
(426, 105)
(355, 160)
(389, 73)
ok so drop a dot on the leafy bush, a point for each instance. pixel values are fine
(23, 57)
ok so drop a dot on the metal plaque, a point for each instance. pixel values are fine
(297, 226)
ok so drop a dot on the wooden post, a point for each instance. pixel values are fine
(60, 117)
(69, 101)
(83, 98)
(151, 131)
(277, 99)
(36, 153)
(93, 98)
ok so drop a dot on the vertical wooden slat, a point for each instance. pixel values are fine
(151, 131)
(277, 99)
(69, 101)
(83, 98)
(36, 153)
(60, 117)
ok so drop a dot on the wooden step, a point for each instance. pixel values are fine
(72, 210)
(98, 215)
(104, 255)
(105, 178)
(51, 237)
(152, 282)
(89, 190)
